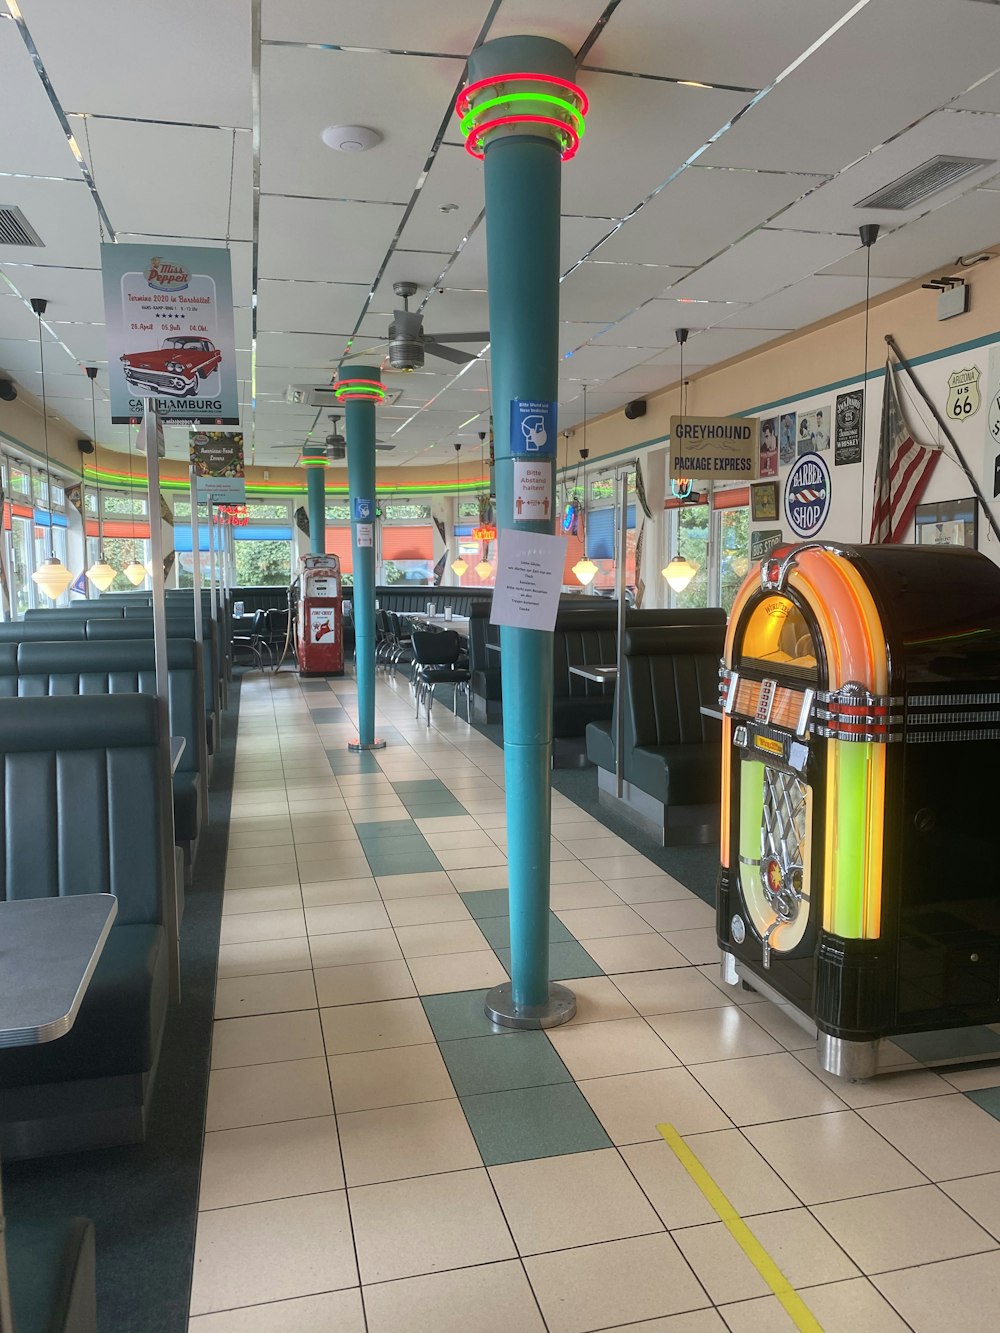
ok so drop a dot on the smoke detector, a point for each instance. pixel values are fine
(350, 138)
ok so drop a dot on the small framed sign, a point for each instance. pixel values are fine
(948, 523)
(764, 502)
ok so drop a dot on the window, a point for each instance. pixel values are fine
(40, 489)
(468, 509)
(408, 513)
(734, 552)
(338, 515)
(262, 563)
(124, 502)
(688, 534)
(90, 503)
(119, 553)
(20, 480)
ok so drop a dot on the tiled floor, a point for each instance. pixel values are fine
(380, 1159)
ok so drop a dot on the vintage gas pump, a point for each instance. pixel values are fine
(320, 626)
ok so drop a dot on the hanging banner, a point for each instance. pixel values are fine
(169, 317)
(217, 459)
(847, 427)
(714, 448)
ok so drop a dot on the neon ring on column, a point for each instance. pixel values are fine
(571, 127)
(359, 391)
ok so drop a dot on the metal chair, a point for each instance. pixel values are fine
(437, 654)
(255, 641)
(401, 630)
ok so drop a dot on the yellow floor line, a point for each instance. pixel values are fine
(799, 1313)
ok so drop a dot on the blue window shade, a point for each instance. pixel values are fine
(601, 532)
(43, 519)
(463, 529)
(182, 535)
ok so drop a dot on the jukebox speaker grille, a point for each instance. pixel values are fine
(777, 886)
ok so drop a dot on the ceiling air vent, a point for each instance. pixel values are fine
(15, 229)
(937, 173)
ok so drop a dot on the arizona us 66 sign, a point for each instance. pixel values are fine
(807, 495)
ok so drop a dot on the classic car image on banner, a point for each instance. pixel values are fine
(217, 459)
(169, 316)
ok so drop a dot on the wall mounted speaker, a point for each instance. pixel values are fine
(636, 408)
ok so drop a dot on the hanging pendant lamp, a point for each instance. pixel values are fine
(53, 578)
(484, 569)
(458, 565)
(585, 570)
(100, 573)
(680, 571)
(133, 571)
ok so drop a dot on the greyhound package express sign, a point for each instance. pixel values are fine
(169, 316)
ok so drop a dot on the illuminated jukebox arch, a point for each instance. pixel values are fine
(849, 675)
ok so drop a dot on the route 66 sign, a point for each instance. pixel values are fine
(964, 399)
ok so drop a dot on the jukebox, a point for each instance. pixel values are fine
(860, 690)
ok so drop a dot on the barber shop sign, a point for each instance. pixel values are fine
(807, 495)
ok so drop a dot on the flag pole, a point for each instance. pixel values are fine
(990, 519)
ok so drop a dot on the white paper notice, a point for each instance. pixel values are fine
(532, 490)
(366, 534)
(528, 580)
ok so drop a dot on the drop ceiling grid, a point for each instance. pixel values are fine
(640, 131)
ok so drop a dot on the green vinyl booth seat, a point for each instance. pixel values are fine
(53, 1276)
(85, 811)
(93, 668)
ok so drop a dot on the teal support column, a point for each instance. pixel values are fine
(316, 499)
(359, 393)
(522, 168)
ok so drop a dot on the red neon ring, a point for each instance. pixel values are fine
(461, 102)
(480, 130)
(358, 384)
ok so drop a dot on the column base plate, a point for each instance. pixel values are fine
(356, 747)
(559, 1008)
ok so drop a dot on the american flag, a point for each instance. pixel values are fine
(904, 469)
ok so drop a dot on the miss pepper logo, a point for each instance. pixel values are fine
(163, 276)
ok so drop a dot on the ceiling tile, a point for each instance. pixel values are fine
(187, 164)
(569, 24)
(87, 342)
(456, 309)
(638, 133)
(763, 263)
(712, 41)
(700, 213)
(72, 293)
(594, 364)
(804, 303)
(300, 349)
(834, 206)
(420, 266)
(984, 98)
(63, 214)
(442, 26)
(103, 62)
(654, 324)
(354, 88)
(649, 378)
(578, 236)
(935, 241)
(597, 291)
(812, 121)
(308, 307)
(31, 141)
(448, 204)
(323, 240)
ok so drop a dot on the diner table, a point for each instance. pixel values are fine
(460, 624)
(49, 948)
(601, 674)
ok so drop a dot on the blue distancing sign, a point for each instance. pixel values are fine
(532, 428)
(363, 510)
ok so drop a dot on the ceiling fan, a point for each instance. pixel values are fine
(408, 343)
(334, 446)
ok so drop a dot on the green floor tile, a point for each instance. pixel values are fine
(386, 828)
(329, 716)
(342, 762)
(460, 1014)
(527, 1123)
(566, 959)
(497, 931)
(486, 903)
(421, 786)
(987, 1098)
(436, 811)
(483, 1064)
(407, 864)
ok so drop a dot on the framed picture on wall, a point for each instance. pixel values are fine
(947, 523)
(764, 501)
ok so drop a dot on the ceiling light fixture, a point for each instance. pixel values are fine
(52, 576)
(350, 138)
(679, 572)
(681, 487)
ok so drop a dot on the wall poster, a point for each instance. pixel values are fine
(169, 316)
(847, 427)
(814, 432)
(217, 459)
(769, 447)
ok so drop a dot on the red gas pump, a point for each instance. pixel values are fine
(320, 627)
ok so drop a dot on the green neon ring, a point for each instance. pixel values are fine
(470, 118)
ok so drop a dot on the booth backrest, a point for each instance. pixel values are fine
(695, 615)
(584, 636)
(122, 668)
(117, 630)
(8, 670)
(27, 631)
(75, 611)
(670, 675)
(81, 797)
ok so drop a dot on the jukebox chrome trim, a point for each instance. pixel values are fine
(775, 581)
